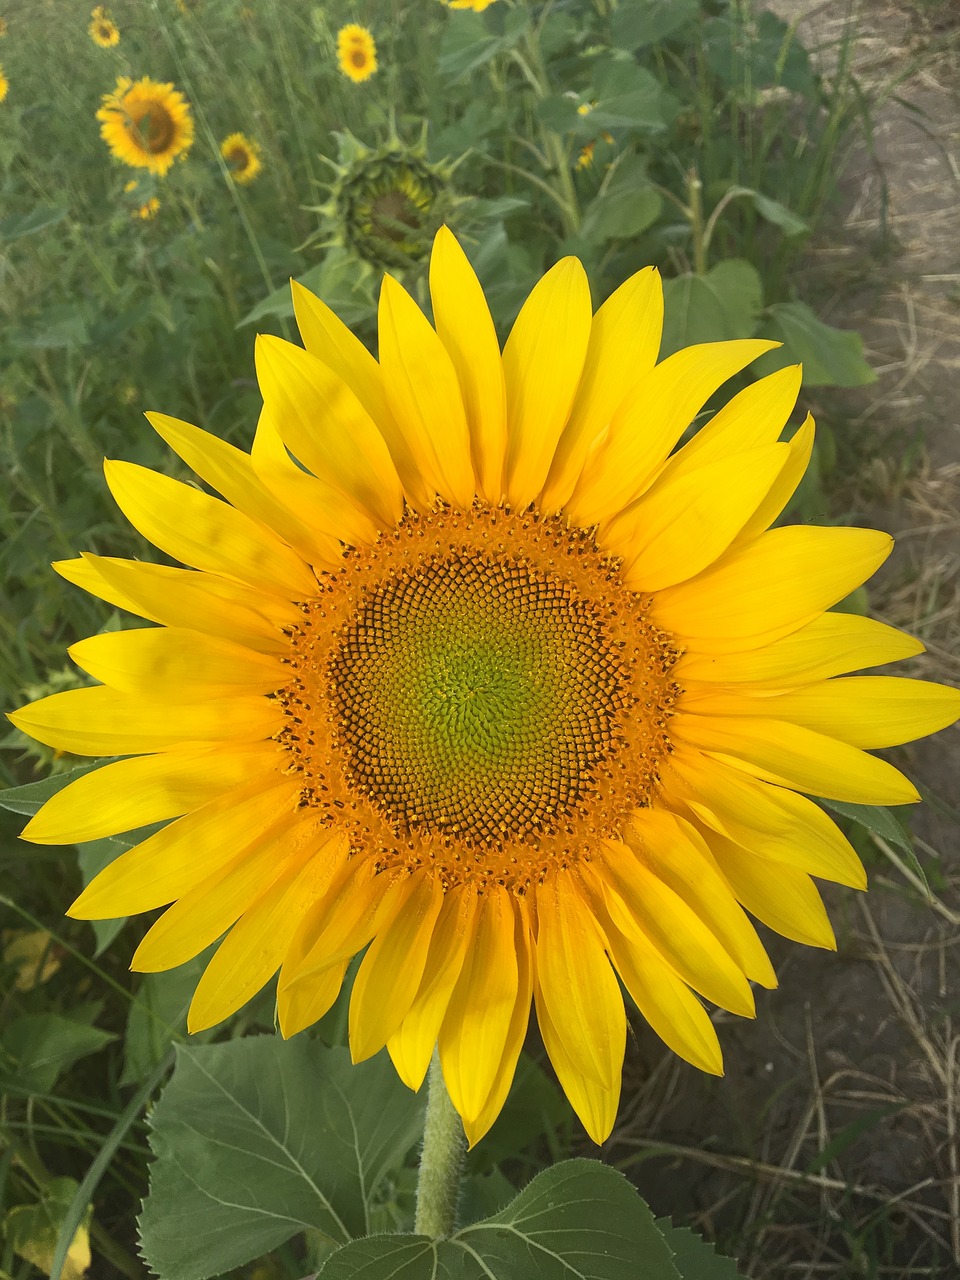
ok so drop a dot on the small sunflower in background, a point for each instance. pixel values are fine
(242, 157)
(103, 31)
(477, 6)
(3, 27)
(4, 85)
(585, 158)
(146, 124)
(356, 52)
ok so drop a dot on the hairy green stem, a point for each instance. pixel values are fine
(441, 1161)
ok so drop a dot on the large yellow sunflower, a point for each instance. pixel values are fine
(356, 52)
(242, 157)
(146, 124)
(472, 670)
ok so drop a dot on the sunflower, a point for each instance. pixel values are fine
(4, 85)
(356, 52)
(3, 27)
(242, 157)
(146, 124)
(477, 6)
(474, 672)
(387, 203)
(103, 31)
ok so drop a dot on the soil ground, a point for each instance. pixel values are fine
(830, 1146)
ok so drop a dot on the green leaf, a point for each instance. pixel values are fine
(788, 222)
(156, 1016)
(467, 44)
(881, 822)
(31, 1230)
(635, 25)
(694, 1258)
(723, 304)
(628, 96)
(831, 357)
(43, 1046)
(340, 279)
(25, 224)
(579, 1220)
(32, 795)
(258, 1139)
(624, 207)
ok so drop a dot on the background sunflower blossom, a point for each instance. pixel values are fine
(242, 157)
(356, 52)
(146, 125)
(497, 684)
(103, 31)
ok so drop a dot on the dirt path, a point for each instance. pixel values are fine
(830, 1147)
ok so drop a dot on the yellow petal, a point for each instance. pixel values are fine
(326, 427)
(792, 756)
(666, 1002)
(172, 662)
(784, 899)
(516, 1034)
(230, 471)
(328, 338)
(424, 395)
(102, 722)
(201, 914)
(203, 532)
(411, 1046)
(639, 902)
(769, 820)
(650, 421)
(680, 527)
(182, 855)
(680, 858)
(594, 1103)
(390, 972)
(777, 584)
(348, 917)
(579, 988)
(753, 417)
(186, 598)
(623, 347)
(133, 793)
(800, 451)
(337, 517)
(830, 645)
(465, 326)
(864, 711)
(542, 363)
(253, 950)
(302, 1005)
(473, 1036)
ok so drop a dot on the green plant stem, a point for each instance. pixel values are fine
(441, 1161)
(695, 215)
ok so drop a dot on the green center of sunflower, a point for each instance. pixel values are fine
(477, 691)
(475, 698)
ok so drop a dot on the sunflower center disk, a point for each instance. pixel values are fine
(475, 698)
(478, 692)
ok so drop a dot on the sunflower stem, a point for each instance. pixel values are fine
(441, 1161)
